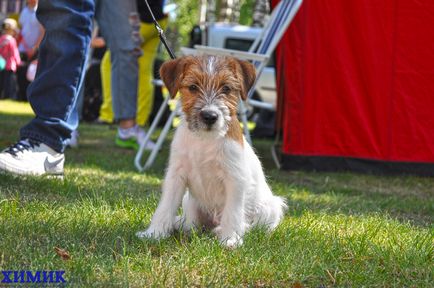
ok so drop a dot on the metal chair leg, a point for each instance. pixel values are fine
(161, 139)
(139, 155)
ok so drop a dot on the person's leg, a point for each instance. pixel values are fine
(21, 77)
(79, 103)
(72, 142)
(11, 85)
(2, 85)
(120, 24)
(106, 110)
(62, 55)
(22, 81)
(53, 93)
(117, 27)
(146, 62)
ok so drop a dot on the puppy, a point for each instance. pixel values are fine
(212, 169)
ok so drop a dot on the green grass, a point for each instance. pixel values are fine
(341, 229)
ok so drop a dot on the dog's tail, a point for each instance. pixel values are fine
(271, 212)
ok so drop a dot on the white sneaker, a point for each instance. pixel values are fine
(132, 138)
(28, 157)
(73, 142)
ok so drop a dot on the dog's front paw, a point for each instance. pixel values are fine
(230, 240)
(156, 233)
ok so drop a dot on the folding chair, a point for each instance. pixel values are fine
(259, 53)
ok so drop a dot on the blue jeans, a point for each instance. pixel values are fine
(62, 57)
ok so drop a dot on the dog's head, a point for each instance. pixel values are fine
(210, 88)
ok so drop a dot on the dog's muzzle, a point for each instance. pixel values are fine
(208, 117)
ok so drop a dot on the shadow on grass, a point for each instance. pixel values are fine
(87, 185)
(304, 191)
(111, 188)
(407, 199)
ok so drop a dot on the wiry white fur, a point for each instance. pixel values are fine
(220, 184)
(211, 65)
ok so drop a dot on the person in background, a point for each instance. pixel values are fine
(30, 37)
(62, 61)
(124, 45)
(9, 52)
(150, 42)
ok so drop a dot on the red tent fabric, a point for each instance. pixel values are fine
(357, 81)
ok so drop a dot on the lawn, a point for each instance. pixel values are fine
(341, 229)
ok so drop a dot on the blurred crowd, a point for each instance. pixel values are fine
(19, 44)
(19, 58)
(68, 72)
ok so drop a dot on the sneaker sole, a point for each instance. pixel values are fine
(129, 144)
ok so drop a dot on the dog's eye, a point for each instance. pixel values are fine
(226, 89)
(193, 88)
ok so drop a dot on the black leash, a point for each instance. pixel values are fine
(160, 32)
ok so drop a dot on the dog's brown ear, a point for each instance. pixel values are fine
(170, 73)
(249, 76)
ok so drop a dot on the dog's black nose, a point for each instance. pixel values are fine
(209, 116)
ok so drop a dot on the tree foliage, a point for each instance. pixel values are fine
(187, 15)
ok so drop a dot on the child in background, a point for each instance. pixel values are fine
(9, 52)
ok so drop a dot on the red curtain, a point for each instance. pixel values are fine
(357, 80)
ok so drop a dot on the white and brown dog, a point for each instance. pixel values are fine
(212, 169)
